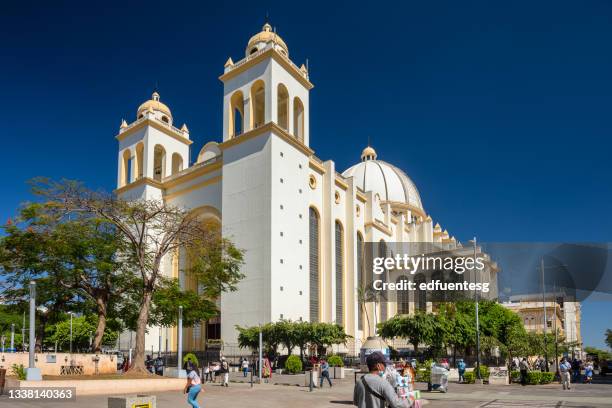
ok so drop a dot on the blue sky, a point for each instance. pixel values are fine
(500, 113)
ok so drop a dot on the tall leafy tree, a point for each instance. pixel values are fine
(72, 257)
(152, 230)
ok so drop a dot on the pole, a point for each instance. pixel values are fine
(545, 317)
(70, 332)
(159, 346)
(180, 339)
(12, 337)
(32, 322)
(260, 373)
(477, 323)
(23, 333)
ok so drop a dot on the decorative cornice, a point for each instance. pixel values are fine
(316, 166)
(141, 181)
(268, 127)
(155, 124)
(212, 180)
(293, 70)
(379, 226)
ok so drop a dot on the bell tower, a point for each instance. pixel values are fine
(150, 149)
(266, 86)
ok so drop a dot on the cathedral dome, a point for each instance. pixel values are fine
(384, 179)
(259, 41)
(155, 105)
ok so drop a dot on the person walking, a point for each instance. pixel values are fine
(461, 369)
(524, 367)
(372, 390)
(325, 373)
(193, 388)
(588, 372)
(565, 368)
(225, 371)
(267, 369)
(245, 367)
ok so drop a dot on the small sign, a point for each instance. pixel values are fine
(51, 358)
(145, 405)
(498, 375)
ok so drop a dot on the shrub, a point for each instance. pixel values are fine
(547, 378)
(423, 371)
(335, 361)
(534, 377)
(19, 370)
(193, 358)
(293, 364)
(515, 376)
(484, 372)
(470, 377)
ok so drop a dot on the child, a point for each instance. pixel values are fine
(588, 372)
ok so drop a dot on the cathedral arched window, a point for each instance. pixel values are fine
(382, 252)
(339, 252)
(177, 163)
(126, 164)
(159, 162)
(403, 302)
(283, 107)
(360, 281)
(236, 114)
(298, 118)
(258, 104)
(314, 258)
(139, 160)
(420, 296)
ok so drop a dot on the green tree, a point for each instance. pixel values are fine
(72, 257)
(83, 328)
(419, 328)
(151, 230)
(609, 338)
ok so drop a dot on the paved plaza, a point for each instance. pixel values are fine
(277, 395)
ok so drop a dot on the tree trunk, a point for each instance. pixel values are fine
(138, 360)
(97, 342)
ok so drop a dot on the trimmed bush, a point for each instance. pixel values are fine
(293, 364)
(423, 371)
(534, 377)
(335, 361)
(515, 376)
(484, 372)
(547, 378)
(193, 358)
(470, 377)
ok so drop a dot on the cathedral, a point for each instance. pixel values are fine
(301, 222)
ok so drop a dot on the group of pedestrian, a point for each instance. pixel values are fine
(385, 385)
(569, 371)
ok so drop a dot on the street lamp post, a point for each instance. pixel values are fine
(260, 373)
(12, 337)
(545, 317)
(70, 332)
(477, 323)
(33, 373)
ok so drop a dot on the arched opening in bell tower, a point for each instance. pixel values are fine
(126, 164)
(283, 107)
(298, 119)
(236, 114)
(159, 162)
(139, 160)
(258, 104)
(177, 163)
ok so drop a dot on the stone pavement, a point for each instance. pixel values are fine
(270, 395)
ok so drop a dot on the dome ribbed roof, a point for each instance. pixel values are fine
(266, 35)
(154, 104)
(388, 181)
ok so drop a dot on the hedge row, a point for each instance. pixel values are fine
(533, 377)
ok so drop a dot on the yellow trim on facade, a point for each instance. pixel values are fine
(193, 174)
(382, 228)
(315, 165)
(340, 183)
(143, 180)
(295, 72)
(153, 123)
(268, 127)
(196, 186)
(361, 197)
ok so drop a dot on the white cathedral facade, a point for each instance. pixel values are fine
(301, 222)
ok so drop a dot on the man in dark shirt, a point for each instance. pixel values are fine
(373, 390)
